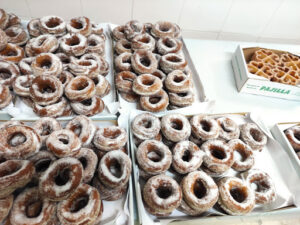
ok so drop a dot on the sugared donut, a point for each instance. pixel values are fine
(41, 161)
(178, 82)
(45, 126)
(133, 28)
(65, 77)
(89, 161)
(5, 206)
(161, 194)
(146, 85)
(46, 90)
(155, 103)
(88, 107)
(252, 135)
(182, 99)
(228, 129)
(187, 157)
(168, 45)
(14, 174)
(123, 62)
(110, 138)
(82, 207)
(52, 25)
(204, 127)
(148, 27)
(73, 44)
(262, 184)
(63, 143)
(143, 61)
(163, 29)
(199, 191)
(3, 39)
(31, 208)
(53, 110)
(46, 64)
(42, 44)
(109, 194)
(218, 156)
(103, 64)
(175, 127)
(95, 44)
(118, 33)
(102, 86)
(243, 155)
(137, 141)
(160, 74)
(17, 35)
(130, 96)
(12, 53)
(122, 46)
(96, 29)
(154, 157)
(65, 60)
(5, 96)
(25, 66)
(84, 67)
(8, 72)
(293, 135)
(4, 19)
(61, 179)
(143, 41)
(83, 127)
(172, 61)
(186, 209)
(10, 123)
(145, 126)
(13, 20)
(80, 25)
(124, 81)
(114, 169)
(80, 88)
(235, 196)
(19, 142)
(33, 27)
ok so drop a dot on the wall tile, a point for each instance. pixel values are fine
(204, 15)
(199, 34)
(154, 10)
(114, 11)
(19, 7)
(236, 37)
(67, 9)
(285, 22)
(278, 40)
(250, 17)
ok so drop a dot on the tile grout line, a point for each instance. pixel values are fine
(225, 19)
(270, 20)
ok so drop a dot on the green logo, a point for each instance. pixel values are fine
(276, 90)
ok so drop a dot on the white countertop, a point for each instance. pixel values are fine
(212, 60)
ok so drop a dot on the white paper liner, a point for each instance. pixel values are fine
(198, 88)
(21, 110)
(272, 159)
(118, 212)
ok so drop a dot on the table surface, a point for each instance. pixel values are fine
(212, 60)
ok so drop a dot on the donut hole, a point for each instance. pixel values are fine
(16, 139)
(72, 41)
(154, 100)
(176, 124)
(178, 79)
(34, 209)
(154, 156)
(238, 194)
(53, 22)
(46, 87)
(41, 41)
(168, 43)
(158, 74)
(239, 154)
(114, 167)
(144, 39)
(127, 45)
(173, 58)
(182, 94)
(164, 191)
(145, 61)
(148, 82)
(218, 152)
(83, 161)
(5, 73)
(77, 129)
(92, 42)
(297, 136)
(87, 102)
(85, 63)
(76, 24)
(260, 186)
(62, 177)
(164, 27)
(256, 135)
(79, 203)
(146, 123)
(95, 80)
(9, 51)
(65, 141)
(80, 84)
(111, 134)
(42, 165)
(10, 169)
(46, 130)
(11, 33)
(205, 125)
(187, 156)
(44, 62)
(199, 189)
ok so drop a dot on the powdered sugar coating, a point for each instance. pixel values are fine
(88, 107)
(84, 67)
(52, 25)
(178, 82)
(80, 24)
(145, 126)
(13, 71)
(204, 127)
(45, 126)
(46, 64)
(168, 45)
(141, 55)
(143, 41)
(146, 85)
(73, 44)
(228, 129)
(293, 134)
(253, 136)
(172, 61)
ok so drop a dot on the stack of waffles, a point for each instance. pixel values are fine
(284, 68)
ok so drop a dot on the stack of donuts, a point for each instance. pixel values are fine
(59, 71)
(184, 164)
(293, 135)
(150, 66)
(55, 175)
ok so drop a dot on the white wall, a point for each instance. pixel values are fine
(248, 20)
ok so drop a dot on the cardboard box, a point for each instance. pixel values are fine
(253, 84)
